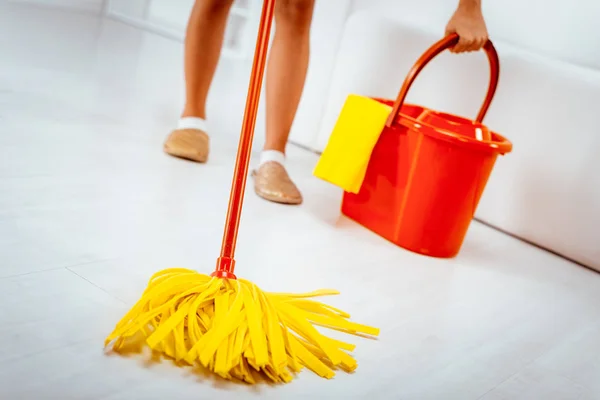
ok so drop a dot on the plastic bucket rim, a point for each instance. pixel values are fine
(498, 144)
(451, 119)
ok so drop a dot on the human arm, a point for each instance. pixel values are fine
(468, 22)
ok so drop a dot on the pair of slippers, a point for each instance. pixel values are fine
(271, 180)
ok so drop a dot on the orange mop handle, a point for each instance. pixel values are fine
(226, 262)
(441, 45)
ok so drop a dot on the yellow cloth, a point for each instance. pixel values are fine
(346, 158)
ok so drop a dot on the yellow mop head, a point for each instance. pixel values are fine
(236, 330)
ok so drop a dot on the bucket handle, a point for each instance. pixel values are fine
(441, 45)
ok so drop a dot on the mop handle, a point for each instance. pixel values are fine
(441, 45)
(226, 262)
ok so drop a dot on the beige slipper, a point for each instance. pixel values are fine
(190, 144)
(272, 183)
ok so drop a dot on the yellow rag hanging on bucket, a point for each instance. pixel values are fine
(346, 157)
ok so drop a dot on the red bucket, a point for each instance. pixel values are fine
(428, 170)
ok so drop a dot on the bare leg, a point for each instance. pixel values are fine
(204, 38)
(286, 73)
(286, 70)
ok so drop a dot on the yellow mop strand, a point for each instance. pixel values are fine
(234, 329)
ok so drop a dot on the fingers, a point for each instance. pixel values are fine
(478, 43)
(449, 31)
(468, 43)
(463, 45)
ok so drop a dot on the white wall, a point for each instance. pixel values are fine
(561, 29)
(170, 13)
(169, 18)
(94, 6)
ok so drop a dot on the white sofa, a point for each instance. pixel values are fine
(548, 190)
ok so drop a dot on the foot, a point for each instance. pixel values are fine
(272, 183)
(189, 140)
(190, 144)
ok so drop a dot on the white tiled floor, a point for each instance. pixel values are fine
(90, 208)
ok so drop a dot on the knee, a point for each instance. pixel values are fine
(294, 14)
(214, 6)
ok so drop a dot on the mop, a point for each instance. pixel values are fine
(229, 325)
